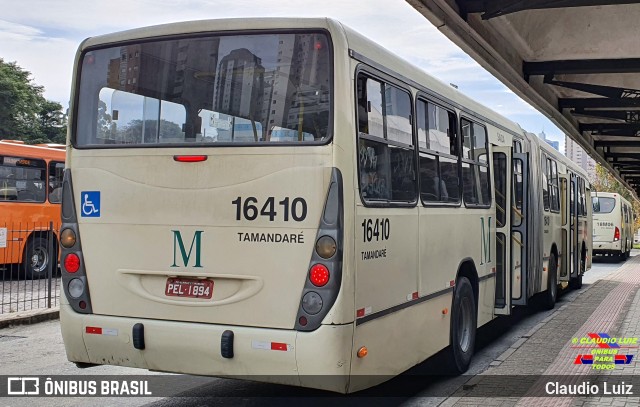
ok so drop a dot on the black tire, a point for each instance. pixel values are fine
(550, 296)
(463, 326)
(37, 258)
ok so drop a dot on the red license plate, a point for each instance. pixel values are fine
(189, 287)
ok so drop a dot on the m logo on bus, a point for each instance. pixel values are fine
(178, 245)
(485, 242)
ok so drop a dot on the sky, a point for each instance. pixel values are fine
(42, 36)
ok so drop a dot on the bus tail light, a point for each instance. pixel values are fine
(326, 247)
(312, 303)
(67, 238)
(71, 263)
(616, 235)
(324, 274)
(76, 288)
(74, 276)
(319, 275)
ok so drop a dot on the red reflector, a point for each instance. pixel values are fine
(360, 313)
(82, 305)
(278, 346)
(319, 275)
(71, 263)
(189, 158)
(414, 296)
(303, 320)
(452, 283)
(94, 330)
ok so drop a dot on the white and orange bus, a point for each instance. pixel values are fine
(284, 200)
(30, 195)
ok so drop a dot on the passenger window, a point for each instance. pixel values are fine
(56, 172)
(438, 164)
(475, 168)
(545, 183)
(554, 194)
(385, 148)
(398, 115)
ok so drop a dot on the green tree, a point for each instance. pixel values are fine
(133, 131)
(24, 112)
(53, 122)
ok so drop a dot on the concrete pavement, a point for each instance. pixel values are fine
(564, 350)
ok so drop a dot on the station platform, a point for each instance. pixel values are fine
(584, 354)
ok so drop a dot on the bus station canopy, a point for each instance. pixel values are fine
(576, 61)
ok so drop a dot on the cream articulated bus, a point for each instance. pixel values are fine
(279, 199)
(613, 221)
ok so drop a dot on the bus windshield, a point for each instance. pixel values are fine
(255, 89)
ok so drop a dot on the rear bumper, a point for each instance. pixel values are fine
(607, 247)
(297, 358)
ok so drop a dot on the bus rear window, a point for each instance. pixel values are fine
(254, 89)
(603, 205)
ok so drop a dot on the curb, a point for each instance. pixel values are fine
(30, 317)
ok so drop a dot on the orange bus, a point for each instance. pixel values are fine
(30, 195)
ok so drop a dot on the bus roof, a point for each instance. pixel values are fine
(18, 148)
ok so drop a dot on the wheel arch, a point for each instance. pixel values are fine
(467, 268)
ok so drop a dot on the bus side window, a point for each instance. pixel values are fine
(56, 171)
(545, 182)
(554, 186)
(475, 166)
(385, 147)
(438, 162)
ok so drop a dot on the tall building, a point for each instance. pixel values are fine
(239, 70)
(552, 143)
(575, 153)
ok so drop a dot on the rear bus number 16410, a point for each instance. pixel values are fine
(295, 208)
(375, 229)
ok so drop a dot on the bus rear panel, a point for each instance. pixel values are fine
(203, 211)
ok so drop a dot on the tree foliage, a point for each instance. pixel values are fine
(25, 114)
(605, 182)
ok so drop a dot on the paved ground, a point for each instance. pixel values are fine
(18, 294)
(548, 353)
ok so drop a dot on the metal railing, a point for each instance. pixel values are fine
(29, 272)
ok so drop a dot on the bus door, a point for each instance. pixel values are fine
(573, 226)
(502, 181)
(566, 260)
(519, 228)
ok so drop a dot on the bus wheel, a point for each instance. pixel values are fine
(36, 258)
(621, 256)
(463, 326)
(549, 299)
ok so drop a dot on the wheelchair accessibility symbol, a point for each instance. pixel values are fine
(90, 204)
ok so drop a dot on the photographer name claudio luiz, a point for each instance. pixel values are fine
(588, 389)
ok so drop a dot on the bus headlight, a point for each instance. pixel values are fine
(312, 303)
(76, 288)
(67, 238)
